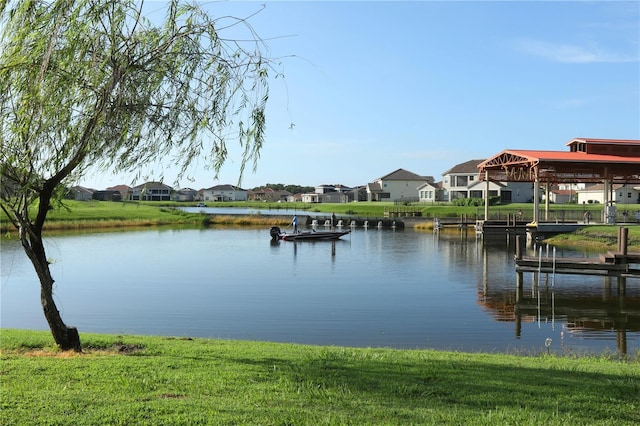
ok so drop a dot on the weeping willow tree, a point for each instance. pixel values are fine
(96, 84)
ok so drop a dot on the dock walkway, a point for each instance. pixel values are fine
(619, 263)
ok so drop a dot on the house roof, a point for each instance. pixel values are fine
(468, 167)
(428, 185)
(225, 187)
(83, 189)
(121, 188)
(402, 174)
(374, 187)
(149, 185)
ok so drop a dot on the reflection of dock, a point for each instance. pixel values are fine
(577, 305)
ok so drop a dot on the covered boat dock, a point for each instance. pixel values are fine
(603, 161)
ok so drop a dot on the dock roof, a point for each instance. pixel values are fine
(562, 166)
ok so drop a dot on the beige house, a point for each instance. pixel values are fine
(428, 192)
(399, 185)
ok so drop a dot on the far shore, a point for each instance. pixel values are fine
(101, 215)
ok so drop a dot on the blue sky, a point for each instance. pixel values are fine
(375, 86)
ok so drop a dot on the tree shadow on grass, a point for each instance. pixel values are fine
(353, 379)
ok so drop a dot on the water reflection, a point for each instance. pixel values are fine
(585, 307)
(396, 288)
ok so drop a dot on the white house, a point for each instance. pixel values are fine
(457, 180)
(399, 185)
(560, 196)
(310, 197)
(462, 181)
(620, 194)
(224, 193)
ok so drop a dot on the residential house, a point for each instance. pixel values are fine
(264, 194)
(151, 191)
(310, 197)
(122, 189)
(185, 194)
(323, 189)
(284, 195)
(294, 198)
(560, 196)
(620, 194)
(80, 193)
(457, 180)
(331, 194)
(399, 185)
(224, 193)
(496, 189)
(462, 181)
(336, 197)
(359, 193)
(107, 195)
(428, 192)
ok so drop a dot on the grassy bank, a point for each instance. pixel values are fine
(597, 238)
(75, 215)
(136, 380)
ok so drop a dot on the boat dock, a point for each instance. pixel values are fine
(620, 263)
(464, 221)
(356, 222)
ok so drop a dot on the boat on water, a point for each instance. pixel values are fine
(312, 235)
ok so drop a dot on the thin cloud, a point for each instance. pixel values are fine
(571, 53)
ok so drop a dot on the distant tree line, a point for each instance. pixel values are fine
(294, 189)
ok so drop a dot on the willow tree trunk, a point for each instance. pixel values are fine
(67, 338)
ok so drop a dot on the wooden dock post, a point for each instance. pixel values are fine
(519, 277)
(519, 247)
(623, 240)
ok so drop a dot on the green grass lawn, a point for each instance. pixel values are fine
(135, 380)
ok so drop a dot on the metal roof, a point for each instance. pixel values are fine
(512, 165)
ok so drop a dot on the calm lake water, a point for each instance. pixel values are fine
(402, 289)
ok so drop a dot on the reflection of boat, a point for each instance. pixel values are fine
(312, 235)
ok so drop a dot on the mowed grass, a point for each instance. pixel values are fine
(136, 380)
(598, 237)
